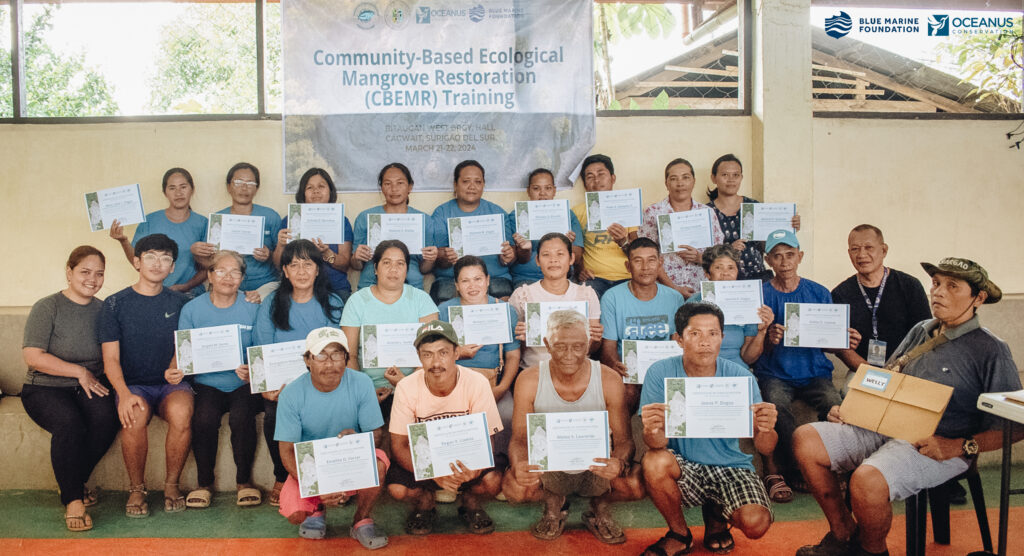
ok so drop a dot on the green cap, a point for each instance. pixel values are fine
(436, 328)
(968, 271)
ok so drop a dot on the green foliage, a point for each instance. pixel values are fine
(992, 62)
(613, 22)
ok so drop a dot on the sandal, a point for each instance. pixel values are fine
(275, 495)
(366, 533)
(421, 522)
(199, 498)
(604, 528)
(313, 527)
(249, 497)
(71, 520)
(723, 538)
(778, 490)
(175, 504)
(90, 497)
(140, 509)
(658, 548)
(550, 527)
(477, 520)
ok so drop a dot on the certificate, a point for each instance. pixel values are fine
(537, 318)
(691, 228)
(817, 325)
(477, 235)
(435, 445)
(240, 233)
(123, 204)
(639, 355)
(407, 228)
(336, 464)
(567, 441)
(323, 221)
(273, 365)
(385, 345)
(536, 218)
(208, 350)
(739, 300)
(481, 324)
(605, 208)
(758, 220)
(709, 407)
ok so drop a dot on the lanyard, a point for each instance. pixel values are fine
(878, 301)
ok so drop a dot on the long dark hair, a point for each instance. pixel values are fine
(300, 194)
(713, 193)
(280, 307)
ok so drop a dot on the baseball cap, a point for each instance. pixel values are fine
(320, 338)
(968, 271)
(781, 236)
(436, 328)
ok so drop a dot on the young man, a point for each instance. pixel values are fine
(540, 187)
(438, 390)
(571, 382)
(603, 260)
(709, 472)
(136, 331)
(329, 401)
(951, 349)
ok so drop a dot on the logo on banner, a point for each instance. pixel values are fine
(838, 25)
(396, 14)
(366, 15)
(423, 14)
(938, 25)
(476, 15)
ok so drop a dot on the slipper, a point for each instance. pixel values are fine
(778, 490)
(550, 527)
(275, 495)
(421, 522)
(140, 510)
(313, 527)
(658, 548)
(604, 528)
(85, 519)
(173, 505)
(723, 539)
(366, 533)
(199, 498)
(249, 497)
(478, 521)
(90, 497)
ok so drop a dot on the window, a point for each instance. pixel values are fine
(6, 85)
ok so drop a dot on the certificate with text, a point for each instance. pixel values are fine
(272, 366)
(435, 445)
(567, 441)
(123, 204)
(623, 207)
(758, 220)
(639, 355)
(739, 300)
(481, 324)
(407, 228)
(240, 233)
(477, 235)
(709, 407)
(208, 350)
(335, 464)
(534, 219)
(691, 228)
(537, 318)
(817, 325)
(385, 345)
(323, 221)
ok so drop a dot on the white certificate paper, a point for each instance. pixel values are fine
(537, 318)
(323, 221)
(272, 366)
(435, 445)
(481, 324)
(692, 228)
(817, 325)
(534, 219)
(604, 208)
(407, 228)
(208, 350)
(739, 300)
(758, 220)
(477, 235)
(639, 355)
(237, 232)
(384, 345)
(567, 441)
(709, 407)
(336, 464)
(123, 204)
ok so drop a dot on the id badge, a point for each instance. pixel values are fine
(876, 353)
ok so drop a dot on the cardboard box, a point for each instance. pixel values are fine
(894, 404)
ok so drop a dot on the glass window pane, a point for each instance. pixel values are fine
(272, 73)
(6, 90)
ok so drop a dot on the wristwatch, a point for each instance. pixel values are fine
(970, 447)
(331, 258)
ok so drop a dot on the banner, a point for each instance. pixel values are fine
(508, 83)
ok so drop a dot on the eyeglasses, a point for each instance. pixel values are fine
(222, 272)
(336, 356)
(243, 183)
(300, 265)
(162, 260)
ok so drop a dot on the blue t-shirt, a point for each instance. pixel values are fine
(367, 277)
(305, 413)
(201, 312)
(339, 279)
(303, 318)
(732, 337)
(795, 365)
(624, 317)
(144, 325)
(724, 452)
(258, 273)
(489, 356)
(183, 233)
(451, 209)
(529, 271)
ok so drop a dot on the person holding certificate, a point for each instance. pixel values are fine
(65, 391)
(302, 303)
(179, 222)
(712, 473)
(540, 187)
(570, 382)
(602, 265)
(395, 183)
(727, 175)
(316, 186)
(329, 401)
(224, 391)
(243, 182)
(468, 201)
(681, 270)
(438, 390)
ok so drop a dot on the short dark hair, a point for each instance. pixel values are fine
(383, 246)
(243, 166)
(687, 311)
(300, 193)
(466, 164)
(599, 158)
(80, 253)
(641, 243)
(184, 173)
(715, 252)
(397, 166)
(537, 172)
(713, 193)
(467, 261)
(435, 337)
(156, 242)
(555, 235)
(675, 161)
(866, 227)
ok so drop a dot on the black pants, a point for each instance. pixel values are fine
(83, 430)
(269, 423)
(210, 406)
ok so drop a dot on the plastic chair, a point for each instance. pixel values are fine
(938, 497)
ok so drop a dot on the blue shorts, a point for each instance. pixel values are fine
(155, 394)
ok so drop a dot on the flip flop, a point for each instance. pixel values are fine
(249, 497)
(199, 498)
(366, 533)
(612, 532)
(778, 490)
(173, 505)
(141, 509)
(478, 521)
(550, 527)
(275, 495)
(90, 497)
(85, 519)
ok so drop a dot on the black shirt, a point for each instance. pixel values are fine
(903, 305)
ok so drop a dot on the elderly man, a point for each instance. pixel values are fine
(951, 349)
(328, 401)
(709, 472)
(571, 382)
(438, 390)
(602, 264)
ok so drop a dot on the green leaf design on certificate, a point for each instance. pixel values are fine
(747, 221)
(419, 446)
(665, 229)
(306, 462)
(92, 207)
(675, 397)
(593, 211)
(521, 209)
(368, 345)
(183, 338)
(536, 431)
(533, 324)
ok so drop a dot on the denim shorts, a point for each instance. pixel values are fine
(154, 394)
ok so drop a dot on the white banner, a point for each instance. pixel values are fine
(504, 82)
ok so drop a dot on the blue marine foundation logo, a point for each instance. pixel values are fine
(938, 25)
(838, 25)
(476, 14)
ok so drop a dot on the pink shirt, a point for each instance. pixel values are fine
(534, 293)
(414, 403)
(679, 271)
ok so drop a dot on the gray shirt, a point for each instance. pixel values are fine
(547, 399)
(67, 331)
